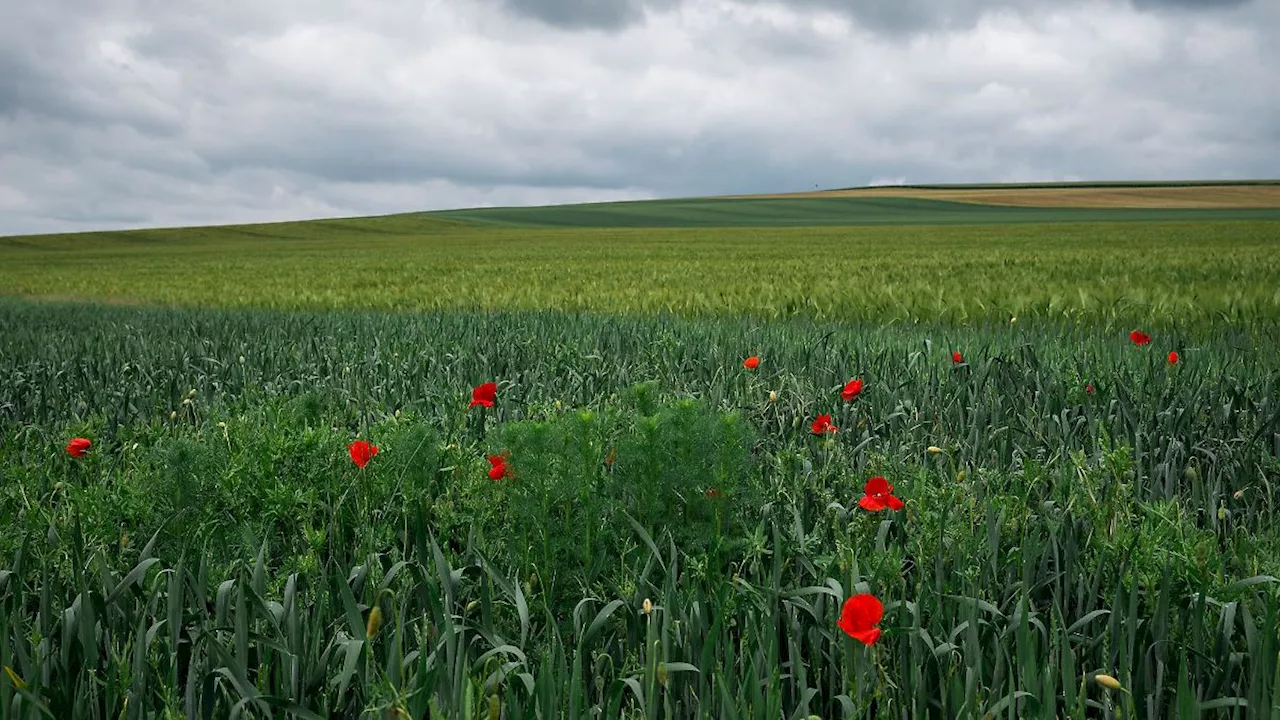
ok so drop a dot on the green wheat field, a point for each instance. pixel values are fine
(644, 523)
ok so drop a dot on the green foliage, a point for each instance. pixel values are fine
(217, 552)
(1193, 273)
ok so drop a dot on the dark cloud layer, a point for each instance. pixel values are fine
(117, 113)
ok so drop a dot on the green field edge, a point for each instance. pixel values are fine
(824, 212)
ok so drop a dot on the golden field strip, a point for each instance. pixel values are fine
(1154, 197)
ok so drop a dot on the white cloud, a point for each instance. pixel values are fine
(234, 111)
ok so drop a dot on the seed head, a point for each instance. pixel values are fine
(13, 678)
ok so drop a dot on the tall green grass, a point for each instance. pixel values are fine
(217, 554)
(1192, 273)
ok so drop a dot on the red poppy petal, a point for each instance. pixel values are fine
(894, 502)
(877, 486)
(865, 610)
(866, 637)
(872, 503)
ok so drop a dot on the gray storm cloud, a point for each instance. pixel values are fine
(123, 114)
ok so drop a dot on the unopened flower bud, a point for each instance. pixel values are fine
(1107, 681)
(934, 450)
(773, 396)
(647, 606)
(374, 623)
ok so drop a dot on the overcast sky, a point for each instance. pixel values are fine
(132, 113)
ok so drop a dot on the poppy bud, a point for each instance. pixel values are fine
(1107, 681)
(241, 359)
(58, 486)
(374, 623)
(471, 606)
(173, 414)
(773, 396)
(662, 674)
(495, 707)
(960, 476)
(1223, 513)
(1239, 494)
(934, 450)
(191, 393)
(647, 606)
(222, 425)
(559, 405)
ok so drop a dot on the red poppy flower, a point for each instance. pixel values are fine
(484, 395)
(1173, 357)
(78, 447)
(956, 357)
(879, 495)
(852, 389)
(499, 466)
(1139, 338)
(859, 617)
(751, 363)
(1089, 388)
(823, 425)
(362, 452)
